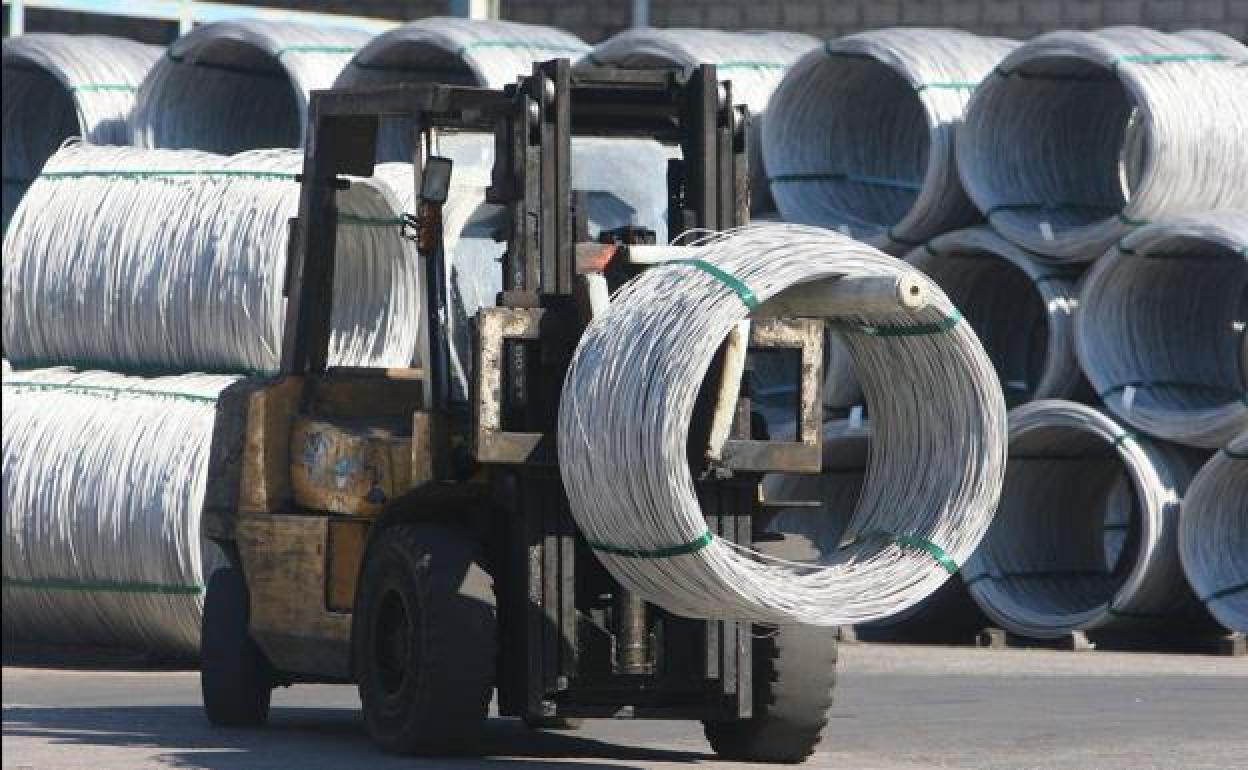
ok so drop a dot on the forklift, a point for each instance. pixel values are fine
(380, 532)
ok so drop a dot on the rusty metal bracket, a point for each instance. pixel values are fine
(805, 455)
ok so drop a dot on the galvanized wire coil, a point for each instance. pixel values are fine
(861, 134)
(1161, 328)
(59, 86)
(1213, 534)
(469, 52)
(1022, 309)
(239, 85)
(104, 479)
(624, 418)
(1080, 137)
(754, 62)
(158, 261)
(1046, 567)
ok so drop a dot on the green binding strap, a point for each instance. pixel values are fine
(108, 389)
(1160, 58)
(900, 330)
(693, 546)
(1231, 453)
(891, 232)
(105, 586)
(1143, 385)
(910, 541)
(89, 87)
(1222, 593)
(465, 48)
(948, 85)
(724, 277)
(1048, 207)
(316, 48)
(846, 176)
(134, 370)
(173, 172)
(1135, 58)
(355, 219)
(1122, 438)
(1036, 574)
(1112, 610)
(748, 64)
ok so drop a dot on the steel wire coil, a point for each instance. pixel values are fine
(104, 480)
(1213, 534)
(239, 85)
(861, 134)
(754, 62)
(1161, 328)
(1046, 567)
(60, 86)
(1080, 137)
(1022, 309)
(158, 261)
(467, 52)
(934, 470)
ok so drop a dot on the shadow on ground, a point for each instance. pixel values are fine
(307, 738)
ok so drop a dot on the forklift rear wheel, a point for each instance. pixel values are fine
(794, 675)
(425, 640)
(235, 678)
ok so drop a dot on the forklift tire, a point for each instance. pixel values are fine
(425, 641)
(794, 676)
(235, 678)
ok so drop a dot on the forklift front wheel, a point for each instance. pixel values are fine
(235, 678)
(425, 640)
(794, 675)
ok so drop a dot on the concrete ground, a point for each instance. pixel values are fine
(896, 707)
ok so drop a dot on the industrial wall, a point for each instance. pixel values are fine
(594, 20)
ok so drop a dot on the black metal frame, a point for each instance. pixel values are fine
(559, 636)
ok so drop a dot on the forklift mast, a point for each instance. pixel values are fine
(573, 642)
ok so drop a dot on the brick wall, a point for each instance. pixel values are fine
(597, 19)
(832, 18)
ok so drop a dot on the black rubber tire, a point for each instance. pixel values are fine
(794, 676)
(235, 678)
(425, 641)
(561, 724)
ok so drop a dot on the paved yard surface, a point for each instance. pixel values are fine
(897, 707)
